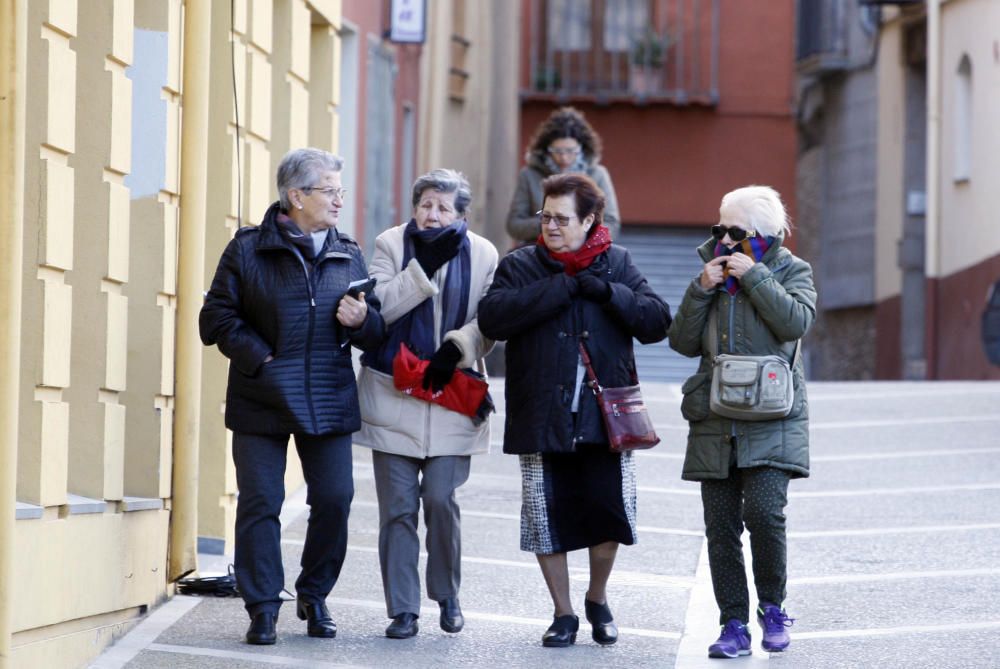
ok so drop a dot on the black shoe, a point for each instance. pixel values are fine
(402, 626)
(602, 627)
(451, 615)
(562, 632)
(320, 623)
(262, 632)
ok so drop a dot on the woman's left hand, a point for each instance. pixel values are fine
(738, 264)
(351, 312)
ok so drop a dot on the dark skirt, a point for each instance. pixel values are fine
(576, 500)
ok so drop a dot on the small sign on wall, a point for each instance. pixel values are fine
(408, 22)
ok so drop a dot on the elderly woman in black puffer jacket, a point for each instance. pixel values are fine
(279, 310)
(572, 286)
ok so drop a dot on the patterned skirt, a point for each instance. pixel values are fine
(576, 500)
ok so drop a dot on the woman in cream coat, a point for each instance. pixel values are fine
(431, 274)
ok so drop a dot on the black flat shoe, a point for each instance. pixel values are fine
(262, 629)
(319, 624)
(602, 627)
(562, 632)
(402, 626)
(452, 619)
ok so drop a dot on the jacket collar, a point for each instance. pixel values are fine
(774, 253)
(271, 238)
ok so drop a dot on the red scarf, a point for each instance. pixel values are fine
(574, 261)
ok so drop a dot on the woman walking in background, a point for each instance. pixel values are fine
(564, 143)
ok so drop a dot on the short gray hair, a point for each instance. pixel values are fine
(445, 181)
(763, 208)
(301, 168)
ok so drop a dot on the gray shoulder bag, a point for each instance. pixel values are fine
(749, 387)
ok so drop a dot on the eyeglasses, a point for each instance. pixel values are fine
(737, 234)
(545, 218)
(555, 151)
(328, 192)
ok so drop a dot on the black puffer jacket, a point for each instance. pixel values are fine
(532, 304)
(262, 301)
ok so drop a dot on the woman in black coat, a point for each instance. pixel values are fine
(572, 286)
(279, 310)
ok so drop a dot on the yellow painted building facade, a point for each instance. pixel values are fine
(99, 119)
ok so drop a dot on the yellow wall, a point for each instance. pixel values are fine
(969, 229)
(890, 131)
(98, 300)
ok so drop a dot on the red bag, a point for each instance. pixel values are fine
(467, 392)
(625, 417)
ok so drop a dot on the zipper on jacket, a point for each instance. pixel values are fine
(312, 320)
(732, 311)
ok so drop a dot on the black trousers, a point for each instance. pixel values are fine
(260, 475)
(754, 498)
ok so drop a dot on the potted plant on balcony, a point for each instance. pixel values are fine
(646, 62)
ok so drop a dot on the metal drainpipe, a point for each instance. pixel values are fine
(932, 250)
(190, 285)
(13, 67)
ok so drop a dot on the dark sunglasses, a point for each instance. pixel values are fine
(735, 233)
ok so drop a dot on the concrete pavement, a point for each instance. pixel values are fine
(894, 557)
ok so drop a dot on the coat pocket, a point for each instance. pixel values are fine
(694, 406)
(381, 404)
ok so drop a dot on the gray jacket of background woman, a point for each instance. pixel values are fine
(522, 222)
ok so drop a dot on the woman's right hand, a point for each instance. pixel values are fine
(711, 274)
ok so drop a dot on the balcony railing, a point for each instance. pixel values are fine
(821, 39)
(621, 50)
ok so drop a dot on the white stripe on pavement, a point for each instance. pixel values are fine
(878, 531)
(513, 516)
(929, 420)
(541, 623)
(618, 576)
(887, 631)
(910, 490)
(892, 455)
(863, 492)
(892, 576)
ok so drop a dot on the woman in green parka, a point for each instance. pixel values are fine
(763, 301)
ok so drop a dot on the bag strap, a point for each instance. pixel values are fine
(713, 336)
(594, 384)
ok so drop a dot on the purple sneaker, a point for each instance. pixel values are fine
(733, 642)
(773, 621)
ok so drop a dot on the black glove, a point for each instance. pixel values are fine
(568, 284)
(594, 288)
(432, 256)
(442, 366)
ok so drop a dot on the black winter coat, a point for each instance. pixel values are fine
(263, 301)
(534, 306)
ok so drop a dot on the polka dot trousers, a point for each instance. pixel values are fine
(754, 498)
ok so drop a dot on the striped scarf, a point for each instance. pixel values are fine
(755, 247)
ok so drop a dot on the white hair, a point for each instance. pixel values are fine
(762, 207)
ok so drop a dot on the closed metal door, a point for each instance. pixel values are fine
(667, 258)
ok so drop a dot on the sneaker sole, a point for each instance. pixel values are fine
(720, 654)
(774, 649)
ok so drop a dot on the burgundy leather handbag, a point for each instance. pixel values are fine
(625, 417)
